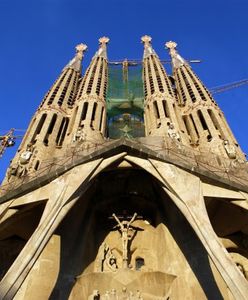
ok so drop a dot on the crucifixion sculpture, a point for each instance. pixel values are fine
(126, 236)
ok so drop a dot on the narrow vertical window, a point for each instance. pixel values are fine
(202, 119)
(38, 128)
(84, 111)
(100, 125)
(164, 102)
(156, 111)
(193, 122)
(213, 118)
(204, 124)
(62, 131)
(50, 129)
(37, 164)
(186, 125)
(93, 115)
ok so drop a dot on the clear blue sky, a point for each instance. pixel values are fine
(38, 39)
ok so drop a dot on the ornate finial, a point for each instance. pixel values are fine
(103, 40)
(146, 39)
(171, 45)
(81, 47)
(177, 60)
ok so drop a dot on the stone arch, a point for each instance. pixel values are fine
(81, 177)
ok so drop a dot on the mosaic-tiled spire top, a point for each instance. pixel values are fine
(177, 60)
(76, 62)
(102, 51)
(148, 50)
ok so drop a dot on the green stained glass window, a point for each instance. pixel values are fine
(125, 101)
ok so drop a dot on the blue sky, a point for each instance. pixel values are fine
(38, 39)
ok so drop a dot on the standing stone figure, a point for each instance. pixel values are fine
(94, 296)
(111, 262)
(230, 149)
(125, 236)
(106, 260)
(172, 132)
(106, 296)
(26, 155)
(113, 295)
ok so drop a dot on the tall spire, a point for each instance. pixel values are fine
(47, 130)
(90, 120)
(160, 111)
(177, 60)
(75, 63)
(63, 91)
(189, 87)
(204, 121)
(148, 50)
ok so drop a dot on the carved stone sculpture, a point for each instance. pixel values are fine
(125, 236)
(230, 149)
(94, 296)
(172, 132)
(106, 259)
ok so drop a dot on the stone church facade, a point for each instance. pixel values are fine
(158, 216)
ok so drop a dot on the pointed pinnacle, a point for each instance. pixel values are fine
(171, 45)
(81, 48)
(146, 39)
(177, 60)
(103, 40)
(75, 63)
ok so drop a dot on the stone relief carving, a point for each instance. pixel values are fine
(19, 169)
(80, 135)
(106, 260)
(113, 294)
(94, 296)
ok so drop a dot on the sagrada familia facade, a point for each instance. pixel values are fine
(159, 216)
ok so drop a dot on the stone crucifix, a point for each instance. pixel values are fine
(125, 236)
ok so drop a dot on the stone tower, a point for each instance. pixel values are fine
(204, 121)
(161, 111)
(162, 216)
(45, 136)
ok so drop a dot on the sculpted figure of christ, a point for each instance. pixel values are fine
(126, 236)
